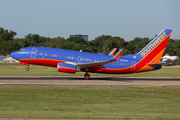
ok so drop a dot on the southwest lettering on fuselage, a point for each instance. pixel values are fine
(153, 45)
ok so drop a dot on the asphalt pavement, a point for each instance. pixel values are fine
(94, 81)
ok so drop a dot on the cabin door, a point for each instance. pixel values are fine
(33, 53)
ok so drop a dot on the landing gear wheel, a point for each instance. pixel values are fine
(27, 69)
(87, 76)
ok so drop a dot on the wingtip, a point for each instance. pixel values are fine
(118, 54)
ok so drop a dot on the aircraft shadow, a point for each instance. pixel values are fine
(114, 78)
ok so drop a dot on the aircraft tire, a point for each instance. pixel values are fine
(87, 76)
(27, 69)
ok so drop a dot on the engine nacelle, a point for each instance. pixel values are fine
(66, 67)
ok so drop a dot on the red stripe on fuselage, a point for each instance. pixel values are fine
(43, 62)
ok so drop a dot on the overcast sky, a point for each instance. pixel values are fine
(127, 19)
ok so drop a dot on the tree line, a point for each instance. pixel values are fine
(103, 43)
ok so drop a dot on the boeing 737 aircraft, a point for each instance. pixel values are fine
(69, 61)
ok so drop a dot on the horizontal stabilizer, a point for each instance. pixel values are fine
(156, 64)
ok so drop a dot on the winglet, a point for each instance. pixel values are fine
(116, 57)
(113, 52)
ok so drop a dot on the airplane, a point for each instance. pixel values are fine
(167, 57)
(68, 61)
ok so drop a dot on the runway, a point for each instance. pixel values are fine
(94, 81)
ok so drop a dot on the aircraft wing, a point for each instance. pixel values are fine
(113, 59)
(156, 64)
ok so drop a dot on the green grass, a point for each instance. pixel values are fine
(89, 102)
(16, 69)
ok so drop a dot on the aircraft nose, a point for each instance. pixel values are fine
(13, 55)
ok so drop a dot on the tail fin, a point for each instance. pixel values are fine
(156, 47)
(153, 52)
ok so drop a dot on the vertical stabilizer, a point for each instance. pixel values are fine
(156, 46)
(153, 52)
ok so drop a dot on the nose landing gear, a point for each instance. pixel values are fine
(27, 69)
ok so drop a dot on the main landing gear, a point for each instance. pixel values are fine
(27, 69)
(87, 76)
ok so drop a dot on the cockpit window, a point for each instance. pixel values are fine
(22, 50)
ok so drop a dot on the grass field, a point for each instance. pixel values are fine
(89, 102)
(16, 69)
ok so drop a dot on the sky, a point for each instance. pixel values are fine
(123, 18)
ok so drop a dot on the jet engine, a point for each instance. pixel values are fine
(66, 67)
